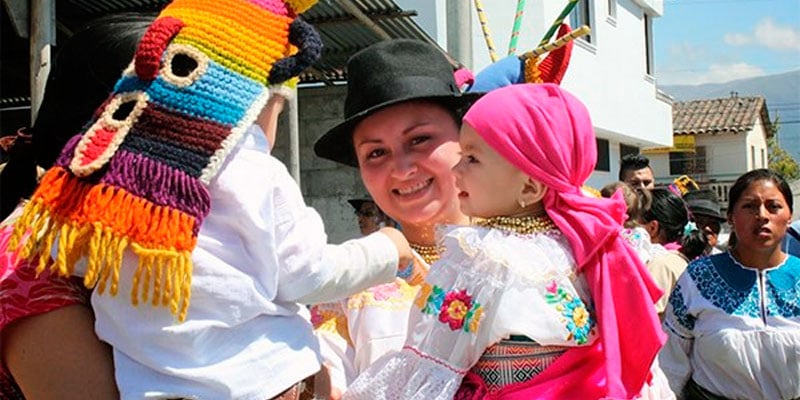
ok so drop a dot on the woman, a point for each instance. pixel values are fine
(666, 221)
(401, 131)
(733, 320)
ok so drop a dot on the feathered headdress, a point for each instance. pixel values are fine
(136, 178)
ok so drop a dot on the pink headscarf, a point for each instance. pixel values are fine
(546, 133)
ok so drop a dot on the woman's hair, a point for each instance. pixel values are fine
(670, 211)
(763, 174)
(694, 242)
(636, 200)
(84, 73)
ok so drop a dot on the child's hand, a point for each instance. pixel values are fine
(403, 249)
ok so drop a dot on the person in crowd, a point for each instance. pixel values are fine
(667, 223)
(791, 243)
(401, 131)
(370, 216)
(635, 170)
(636, 201)
(706, 212)
(485, 289)
(74, 364)
(261, 244)
(733, 319)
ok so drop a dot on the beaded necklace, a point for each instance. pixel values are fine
(430, 254)
(521, 225)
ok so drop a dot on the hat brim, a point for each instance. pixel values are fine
(356, 203)
(337, 144)
(711, 215)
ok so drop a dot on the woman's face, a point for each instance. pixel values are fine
(760, 217)
(405, 153)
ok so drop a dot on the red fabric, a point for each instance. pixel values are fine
(23, 294)
(554, 66)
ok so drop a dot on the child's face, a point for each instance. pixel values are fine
(489, 186)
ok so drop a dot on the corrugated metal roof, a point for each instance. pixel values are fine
(716, 116)
(342, 33)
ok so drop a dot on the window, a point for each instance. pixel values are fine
(648, 44)
(603, 157)
(688, 163)
(763, 159)
(581, 15)
(624, 150)
(753, 156)
(612, 8)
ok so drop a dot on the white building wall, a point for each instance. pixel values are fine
(725, 155)
(756, 140)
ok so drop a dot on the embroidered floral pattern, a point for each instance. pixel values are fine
(576, 316)
(328, 319)
(679, 308)
(455, 308)
(718, 291)
(392, 296)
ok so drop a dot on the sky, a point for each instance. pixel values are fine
(715, 41)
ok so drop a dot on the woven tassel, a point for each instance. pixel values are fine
(532, 73)
(169, 273)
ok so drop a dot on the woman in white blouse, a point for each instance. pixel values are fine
(733, 319)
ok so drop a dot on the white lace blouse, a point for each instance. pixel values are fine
(488, 285)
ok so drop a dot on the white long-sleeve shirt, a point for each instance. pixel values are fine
(261, 252)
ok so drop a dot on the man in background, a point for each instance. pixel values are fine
(370, 217)
(635, 170)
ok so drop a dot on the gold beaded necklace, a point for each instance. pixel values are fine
(430, 254)
(522, 225)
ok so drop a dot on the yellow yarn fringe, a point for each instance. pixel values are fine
(167, 270)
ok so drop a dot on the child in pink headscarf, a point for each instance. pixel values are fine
(544, 269)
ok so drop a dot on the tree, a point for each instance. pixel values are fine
(779, 159)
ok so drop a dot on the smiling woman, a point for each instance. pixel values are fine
(401, 131)
(733, 319)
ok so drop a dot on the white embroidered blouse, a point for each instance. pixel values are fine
(488, 285)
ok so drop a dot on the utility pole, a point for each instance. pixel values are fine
(42, 37)
(459, 31)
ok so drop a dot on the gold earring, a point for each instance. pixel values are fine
(522, 203)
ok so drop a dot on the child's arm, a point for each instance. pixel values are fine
(268, 118)
(359, 264)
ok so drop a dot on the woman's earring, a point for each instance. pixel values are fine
(522, 203)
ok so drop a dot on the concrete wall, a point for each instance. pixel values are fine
(326, 185)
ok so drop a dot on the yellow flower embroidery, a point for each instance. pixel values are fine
(580, 316)
(457, 310)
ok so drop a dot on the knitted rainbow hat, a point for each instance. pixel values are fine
(136, 178)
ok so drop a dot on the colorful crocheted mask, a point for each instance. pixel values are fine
(136, 178)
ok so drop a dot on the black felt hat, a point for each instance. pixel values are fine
(356, 203)
(388, 73)
(704, 202)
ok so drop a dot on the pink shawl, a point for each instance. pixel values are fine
(546, 132)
